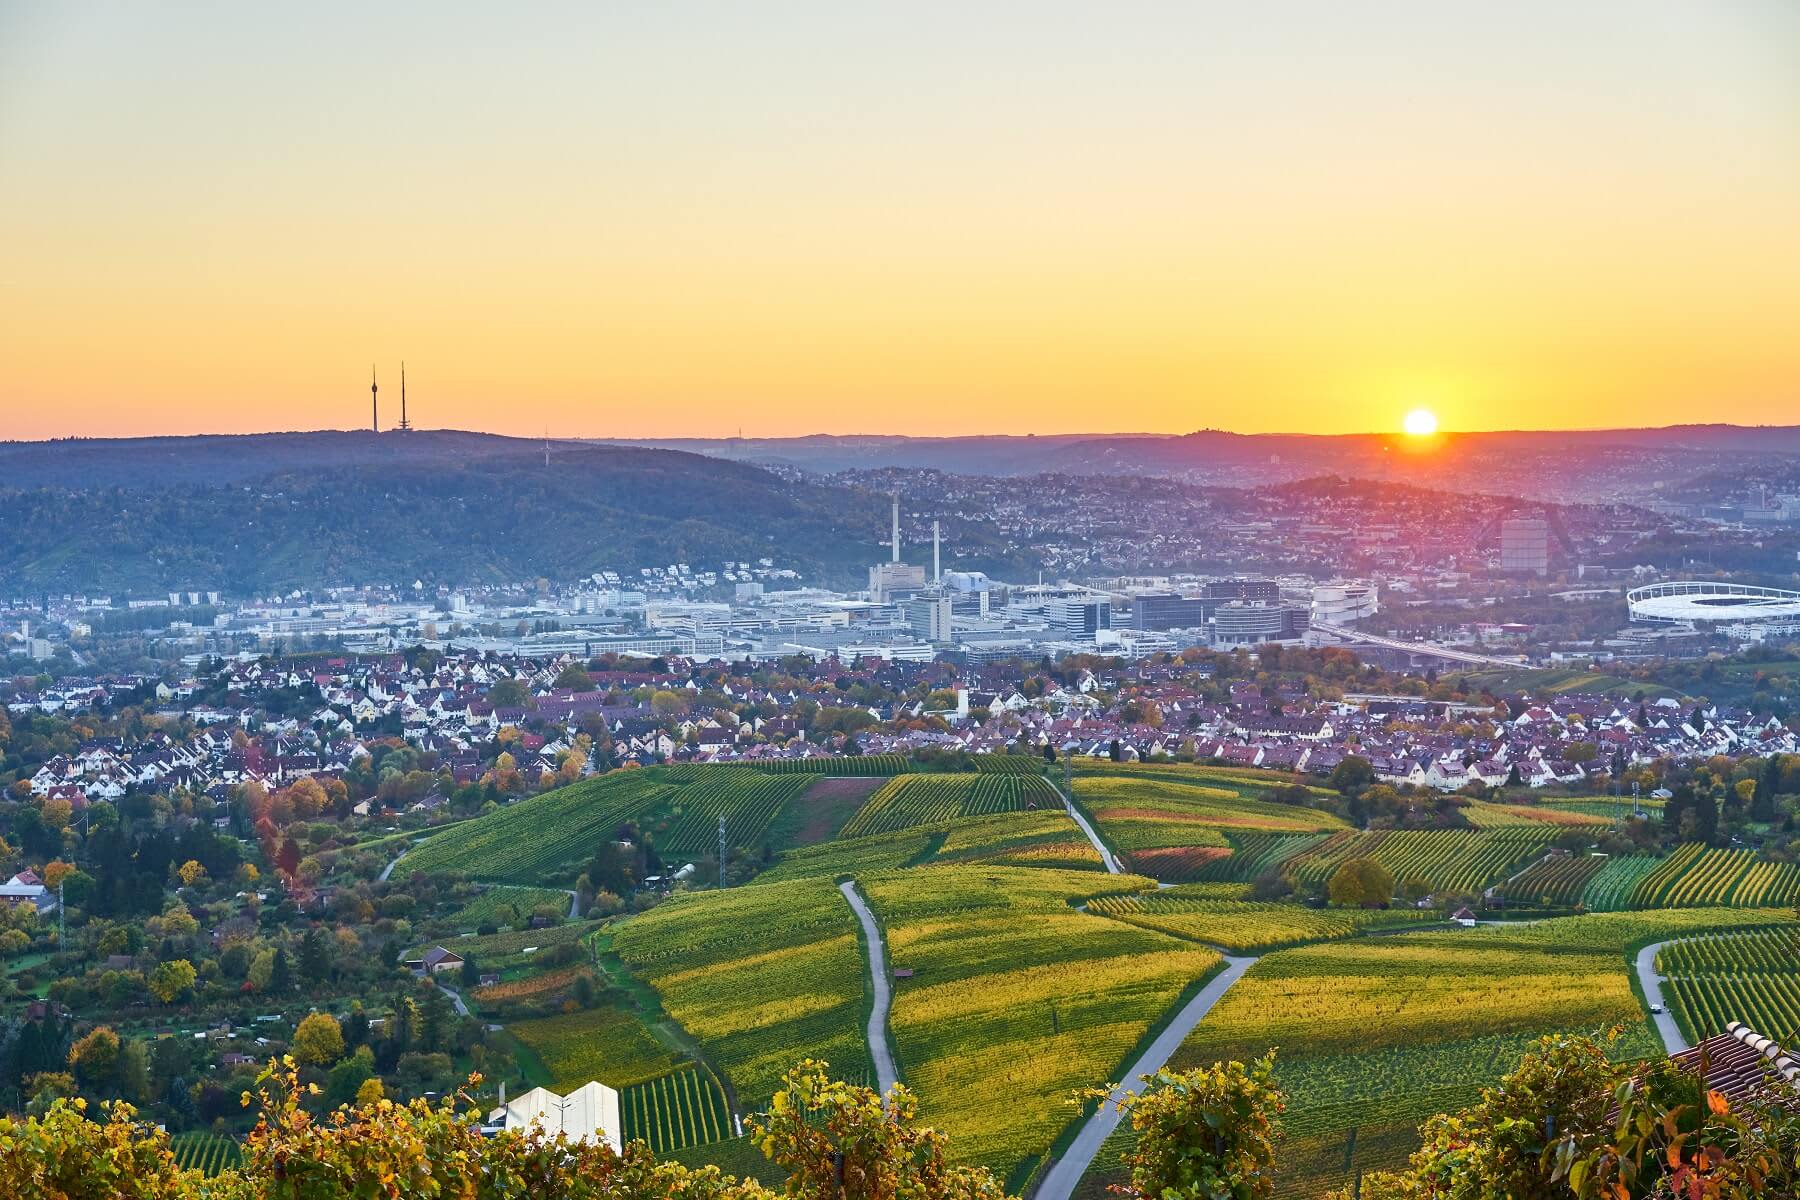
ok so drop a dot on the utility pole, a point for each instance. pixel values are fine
(721, 852)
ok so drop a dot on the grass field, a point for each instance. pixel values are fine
(1559, 681)
(1018, 999)
(763, 976)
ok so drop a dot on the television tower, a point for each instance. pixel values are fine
(374, 402)
(404, 427)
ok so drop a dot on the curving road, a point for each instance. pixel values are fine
(885, 1074)
(1106, 856)
(1059, 1182)
(1652, 985)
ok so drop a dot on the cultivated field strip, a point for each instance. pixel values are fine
(909, 800)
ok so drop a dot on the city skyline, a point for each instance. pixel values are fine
(694, 221)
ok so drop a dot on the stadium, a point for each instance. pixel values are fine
(1700, 601)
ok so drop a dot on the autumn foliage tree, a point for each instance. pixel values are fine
(838, 1140)
(1205, 1134)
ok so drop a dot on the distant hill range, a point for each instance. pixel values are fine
(1580, 464)
(1223, 454)
(277, 511)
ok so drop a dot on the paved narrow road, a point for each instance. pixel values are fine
(1652, 985)
(1059, 1182)
(885, 1074)
(456, 1000)
(389, 869)
(1106, 856)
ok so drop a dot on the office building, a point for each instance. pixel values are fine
(1079, 618)
(1169, 610)
(1525, 546)
(1256, 591)
(929, 616)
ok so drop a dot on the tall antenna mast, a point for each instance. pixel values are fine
(374, 402)
(404, 427)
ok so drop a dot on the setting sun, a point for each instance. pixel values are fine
(1421, 422)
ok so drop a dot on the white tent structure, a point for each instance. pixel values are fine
(590, 1111)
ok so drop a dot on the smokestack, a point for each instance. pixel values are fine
(937, 572)
(896, 541)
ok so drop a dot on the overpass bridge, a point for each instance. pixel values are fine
(1447, 653)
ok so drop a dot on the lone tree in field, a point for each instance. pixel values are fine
(1361, 882)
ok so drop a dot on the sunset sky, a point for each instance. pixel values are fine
(663, 218)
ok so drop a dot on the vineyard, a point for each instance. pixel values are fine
(606, 1043)
(1611, 888)
(1152, 811)
(543, 839)
(764, 976)
(1254, 853)
(1405, 1026)
(1694, 875)
(866, 764)
(208, 1153)
(549, 838)
(909, 800)
(1175, 864)
(674, 1111)
(1484, 814)
(1559, 879)
(1753, 977)
(1009, 764)
(748, 801)
(1044, 838)
(1246, 927)
(1447, 860)
(1017, 999)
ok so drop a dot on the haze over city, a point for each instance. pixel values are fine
(686, 219)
